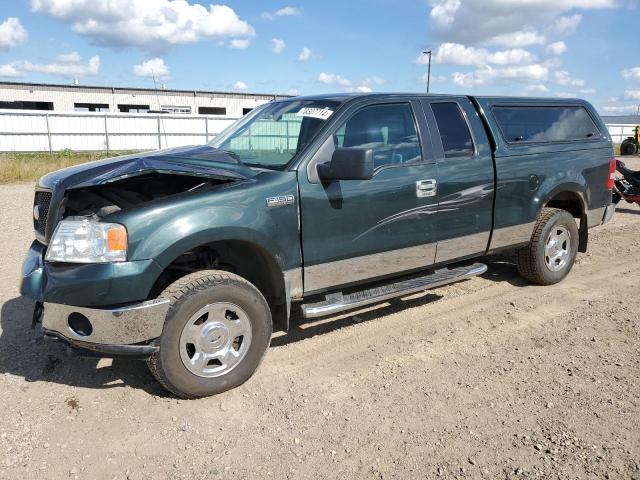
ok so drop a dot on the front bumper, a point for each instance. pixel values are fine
(129, 325)
(101, 350)
(75, 303)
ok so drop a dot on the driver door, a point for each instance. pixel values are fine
(356, 230)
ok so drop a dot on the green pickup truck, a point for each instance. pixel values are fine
(190, 257)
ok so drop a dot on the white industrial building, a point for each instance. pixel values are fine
(42, 117)
(83, 98)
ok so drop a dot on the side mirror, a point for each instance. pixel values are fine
(348, 164)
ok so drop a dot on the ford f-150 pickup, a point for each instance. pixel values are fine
(190, 257)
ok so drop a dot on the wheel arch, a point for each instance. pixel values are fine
(571, 198)
(243, 253)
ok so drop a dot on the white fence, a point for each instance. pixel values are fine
(619, 132)
(24, 131)
(27, 131)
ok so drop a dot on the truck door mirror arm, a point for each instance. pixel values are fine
(348, 164)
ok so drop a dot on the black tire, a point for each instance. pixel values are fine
(190, 294)
(627, 148)
(531, 260)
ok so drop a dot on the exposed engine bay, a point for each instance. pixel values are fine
(108, 198)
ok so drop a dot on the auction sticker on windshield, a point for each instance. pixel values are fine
(314, 112)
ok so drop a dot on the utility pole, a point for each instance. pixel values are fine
(428, 52)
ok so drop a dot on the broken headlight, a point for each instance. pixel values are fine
(80, 240)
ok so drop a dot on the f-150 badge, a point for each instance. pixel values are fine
(280, 201)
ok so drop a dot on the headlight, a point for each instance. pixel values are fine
(80, 240)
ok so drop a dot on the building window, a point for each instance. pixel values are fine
(26, 105)
(174, 109)
(91, 107)
(212, 110)
(133, 108)
(246, 110)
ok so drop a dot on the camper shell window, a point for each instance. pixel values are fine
(545, 124)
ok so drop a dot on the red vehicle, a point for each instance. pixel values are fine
(627, 187)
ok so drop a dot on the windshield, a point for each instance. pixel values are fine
(271, 135)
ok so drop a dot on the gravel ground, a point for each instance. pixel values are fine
(489, 378)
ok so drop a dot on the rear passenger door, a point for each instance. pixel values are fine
(465, 178)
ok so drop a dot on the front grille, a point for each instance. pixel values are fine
(41, 204)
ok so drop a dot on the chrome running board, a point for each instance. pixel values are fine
(337, 302)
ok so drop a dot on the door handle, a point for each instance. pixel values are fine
(426, 188)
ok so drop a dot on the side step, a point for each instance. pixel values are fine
(337, 302)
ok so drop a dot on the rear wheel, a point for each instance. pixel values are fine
(215, 334)
(552, 250)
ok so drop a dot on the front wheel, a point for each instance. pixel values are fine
(552, 250)
(216, 332)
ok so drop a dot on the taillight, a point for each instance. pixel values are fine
(612, 173)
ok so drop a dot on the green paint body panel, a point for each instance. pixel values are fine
(484, 202)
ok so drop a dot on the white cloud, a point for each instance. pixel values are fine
(71, 57)
(535, 89)
(631, 73)
(522, 38)
(240, 43)
(12, 33)
(333, 79)
(65, 65)
(520, 22)
(305, 54)
(567, 25)
(294, 92)
(632, 94)
(619, 109)
(557, 48)
(488, 75)
(367, 85)
(587, 91)
(278, 45)
(443, 12)
(458, 54)
(148, 24)
(516, 56)
(434, 79)
(375, 80)
(562, 77)
(288, 12)
(154, 67)
(566, 95)
(283, 12)
(240, 85)
(9, 71)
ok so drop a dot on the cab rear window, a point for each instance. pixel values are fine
(539, 124)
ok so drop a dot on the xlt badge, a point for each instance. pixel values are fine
(280, 201)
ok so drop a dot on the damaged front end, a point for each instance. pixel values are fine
(99, 302)
(109, 186)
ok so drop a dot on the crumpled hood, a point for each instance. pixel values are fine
(201, 160)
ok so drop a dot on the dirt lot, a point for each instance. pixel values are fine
(490, 378)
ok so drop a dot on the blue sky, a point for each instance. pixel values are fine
(585, 48)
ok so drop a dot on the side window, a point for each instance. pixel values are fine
(454, 131)
(545, 124)
(389, 130)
